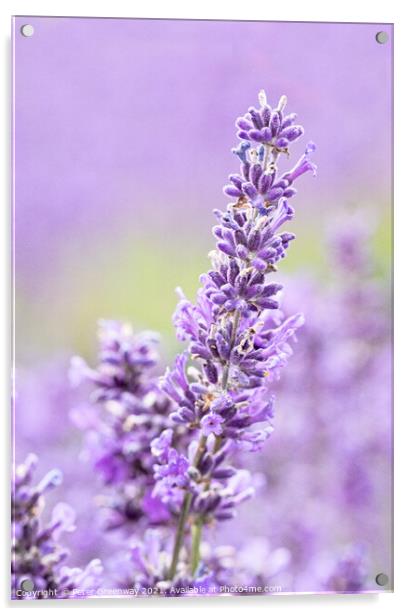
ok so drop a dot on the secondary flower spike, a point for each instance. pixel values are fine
(126, 413)
(37, 555)
(237, 339)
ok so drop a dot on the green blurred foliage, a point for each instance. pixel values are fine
(135, 280)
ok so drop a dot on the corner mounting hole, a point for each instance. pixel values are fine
(381, 37)
(27, 30)
(382, 579)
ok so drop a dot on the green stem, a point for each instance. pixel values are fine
(188, 497)
(180, 534)
(195, 544)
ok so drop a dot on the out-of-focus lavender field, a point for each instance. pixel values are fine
(123, 131)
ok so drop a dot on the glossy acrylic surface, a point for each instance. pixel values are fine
(122, 137)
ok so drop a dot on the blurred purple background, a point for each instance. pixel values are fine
(123, 131)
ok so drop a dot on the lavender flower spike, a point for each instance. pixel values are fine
(37, 554)
(235, 336)
(128, 411)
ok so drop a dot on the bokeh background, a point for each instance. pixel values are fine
(122, 138)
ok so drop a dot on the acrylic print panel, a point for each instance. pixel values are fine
(235, 437)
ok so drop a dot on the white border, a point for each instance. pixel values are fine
(297, 10)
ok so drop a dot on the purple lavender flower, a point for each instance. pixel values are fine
(124, 359)
(37, 554)
(120, 434)
(171, 478)
(219, 385)
(271, 132)
(211, 424)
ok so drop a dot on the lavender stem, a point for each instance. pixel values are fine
(180, 534)
(196, 541)
(184, 514)
(226, 373)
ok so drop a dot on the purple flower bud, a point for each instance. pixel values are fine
(256, 278)
(282, 142)
(266, 302)
(266, 134)
(206, 464)
(232, 191)
(236, 179)
(240, 238)
(222, 346)
(217, 232)
(233, 271)
(245, 170)
(288, 120)
(274, 193)
(275, 123)
(211, 343)
(252, 291)
(199, 350)
(283, 183)
(244, 124)
(250, 190)
(211, 372)
(265, 114)
(52, 479)
(266, 253)
(227, 248)
(287, 237)
(177, 418)
(242, 134)
(264, 183)
(212, 502)
(217, 278)
(291, 133)
(219, 298)
(271, 289)
(259, 264)
(224, 473)
(228, 290)
(220, 456)
(239, 422)
(187, 414)
(254, 240)
(221, 404)
(231, 304)
(256, 135)
(255, 117)
(256, 171)
(241, 150)
(289, 192)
